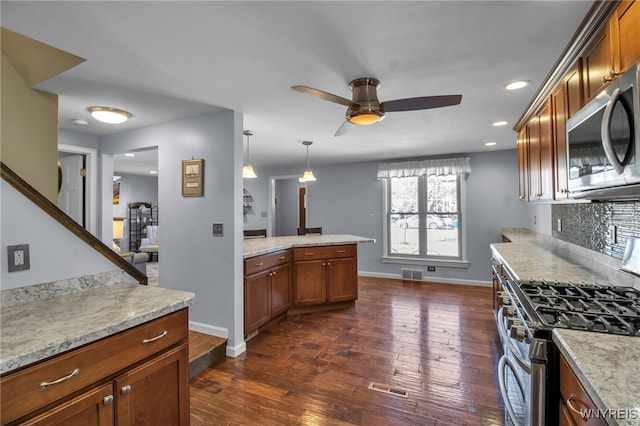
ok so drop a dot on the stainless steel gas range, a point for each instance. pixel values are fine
(526, 313)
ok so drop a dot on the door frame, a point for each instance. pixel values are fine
(91, 183)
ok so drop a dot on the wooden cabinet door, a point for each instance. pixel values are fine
(309, 282)
(597, 63)
(156, 392)
(546, 153)
(256, 300)
(92, 408)
(523, 164)
(573, 89)
(626, 32)
(280, 289)
(342, 279)
(559, 124)
(565, 416)
(533, 157)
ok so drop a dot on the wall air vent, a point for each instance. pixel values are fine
(412, 274)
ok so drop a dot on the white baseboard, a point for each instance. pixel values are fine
(209, 329)
(218, 332)
(428, 279)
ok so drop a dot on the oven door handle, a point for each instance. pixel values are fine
(526, 366)
(502, 373)
(605, 132)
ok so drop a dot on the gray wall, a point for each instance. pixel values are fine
(191, 259)
(347, 198)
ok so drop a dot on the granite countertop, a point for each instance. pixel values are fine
(257, 246)
(607, 366)
(35, 330)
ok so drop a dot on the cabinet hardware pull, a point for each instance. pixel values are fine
(281, 258)
(153, 339)
(260, 264)
(341, 251)
(583, 415)
(328, 263)
(274, 272)
(107, 400)
(125, 390)
(309, 254)
(75, 372)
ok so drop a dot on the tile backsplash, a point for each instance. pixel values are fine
(592, 225)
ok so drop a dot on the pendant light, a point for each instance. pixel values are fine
(308, 174)
(247, 169)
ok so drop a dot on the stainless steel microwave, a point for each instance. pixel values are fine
(603, 143)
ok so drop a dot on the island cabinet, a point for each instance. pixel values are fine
(576, 407)
(136, 377)
(325, 275)
(267, 288)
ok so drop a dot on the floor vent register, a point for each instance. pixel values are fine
(389, 390)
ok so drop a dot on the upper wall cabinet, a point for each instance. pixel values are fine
(602, 49)
(625, 28)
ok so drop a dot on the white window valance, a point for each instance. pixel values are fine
(438, 167)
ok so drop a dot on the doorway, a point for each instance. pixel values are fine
(288, 206)
(77, 195)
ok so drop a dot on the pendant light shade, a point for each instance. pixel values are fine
(247, 169)
(308, 174)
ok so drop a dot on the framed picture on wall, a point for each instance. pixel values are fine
(192, 178)
(116, 192)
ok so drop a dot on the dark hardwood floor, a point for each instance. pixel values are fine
(438, 342)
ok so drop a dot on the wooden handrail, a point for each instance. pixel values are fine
(52, 210)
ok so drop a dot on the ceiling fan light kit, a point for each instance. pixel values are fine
(365, 108)
(109, 115)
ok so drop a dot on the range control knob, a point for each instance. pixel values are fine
(513, 322)
(508, 311)
(517, 332)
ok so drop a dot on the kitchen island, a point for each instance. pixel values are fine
(604, 364)
(298, 274)
(68, 346)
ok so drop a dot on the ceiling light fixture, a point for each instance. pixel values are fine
(153, 172)
(500, 123)
(490, 144)
(80, 122)
(516, 85)
(109, 115)
(129, 154)
(247, 169)
(308, 174)
(368, 109)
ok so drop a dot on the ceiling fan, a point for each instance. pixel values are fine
(365, 108)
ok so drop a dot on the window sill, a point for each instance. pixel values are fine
(463, 264)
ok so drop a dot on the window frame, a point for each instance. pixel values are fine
(461, 261)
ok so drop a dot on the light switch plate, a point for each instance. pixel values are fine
(217, 230)
(18, 257)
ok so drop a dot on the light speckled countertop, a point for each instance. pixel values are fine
(607, 365)
(257, 246)
(32, 331)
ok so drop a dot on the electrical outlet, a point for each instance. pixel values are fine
(431, 268)
(18, 257)
(217, 230)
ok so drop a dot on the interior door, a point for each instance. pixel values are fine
(286, 211)
(71, 195)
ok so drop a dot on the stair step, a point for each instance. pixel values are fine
(204, 351)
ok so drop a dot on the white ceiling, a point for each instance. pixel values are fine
(166, 60)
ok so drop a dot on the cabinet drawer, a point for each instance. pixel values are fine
(27, 390)
(324, 252)
(575, 396)
(264, 262)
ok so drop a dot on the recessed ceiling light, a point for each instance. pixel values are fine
(80, 122)
(153, 172)
(109, 115)
(500, 123)
(129, 154)
(490, 144)
(516, 85)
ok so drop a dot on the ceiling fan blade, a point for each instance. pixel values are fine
(344, 128)
(425, 102)
(323, 95)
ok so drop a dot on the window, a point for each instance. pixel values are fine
(424, 214)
